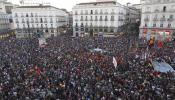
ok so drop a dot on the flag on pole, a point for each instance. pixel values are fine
(114, 62)
(42, 42)
(160, 44)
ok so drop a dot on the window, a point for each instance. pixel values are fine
(86, 18)
(145, 25)
(41, 25)
(76, 29)
(91, 18)
(81, 12)
(161, 25)
(164, 9)
(86, 12)
(112, 30)
(112, 18)
(32, 25)
(96, 12)
(82, 25)
(17, 25)
(31, 14)
(76, 13)
(91, 11)
(76, 25)
(16, 15)
(171, 16)
(27, 15)
(106, 18)
(51, 25)
(41, 20)
(17, 21)
(96, 18)
(51, 20)
(169, 25)
(101, 18)
(96, 30)
(81, 18)
(23, 25)
(101, 11)
(154, 25)
(105, 30)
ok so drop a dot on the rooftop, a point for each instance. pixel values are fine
(104, 2)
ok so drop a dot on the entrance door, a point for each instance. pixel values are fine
(91, 33)
(77, 35)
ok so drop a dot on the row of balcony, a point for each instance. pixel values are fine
(35, 27)
(159, 11)
(161, 19)
(98, 13)
(35, 16)
(35, 21)
(99, 20)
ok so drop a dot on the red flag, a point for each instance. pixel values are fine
(160, 44)
(38, 71)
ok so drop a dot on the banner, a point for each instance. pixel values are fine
(42, 42)
(114, 62)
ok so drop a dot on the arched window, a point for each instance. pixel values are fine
(41, 20)
(27, 15)
(164, 9)
(76, 25)
(91, 11)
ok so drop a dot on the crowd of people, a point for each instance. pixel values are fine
(67, 69)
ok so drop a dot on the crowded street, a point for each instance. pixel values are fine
(67, 68)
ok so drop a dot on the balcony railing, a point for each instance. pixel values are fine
(163, 19)
(112, 12)
(156, 11)
(22, 15)
(155, 19)
(106, 12)
(120, 19)
(170, 19)
(17, 21)
(146, 19)
(101, 12)
(45, 21)
(23, 21)
(36, 21)
(32, 21)
(120, 13)
(147, 12)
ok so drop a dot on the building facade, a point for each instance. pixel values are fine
(98, 17)
(4, 23)
(157, 20)
(133, 15)
(6, 7)
(41, 19)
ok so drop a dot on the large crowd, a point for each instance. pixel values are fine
(67, 69)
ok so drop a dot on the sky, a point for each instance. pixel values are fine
(68, 4)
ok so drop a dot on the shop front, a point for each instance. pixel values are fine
(157, 34)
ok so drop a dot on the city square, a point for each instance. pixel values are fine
(101, 50)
